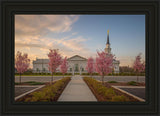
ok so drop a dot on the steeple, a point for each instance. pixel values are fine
(108, 48)
(107, 37)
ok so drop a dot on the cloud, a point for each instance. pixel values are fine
(31, 36)
(67, 46)
(40, 25)
(18, 44)
(75, 33)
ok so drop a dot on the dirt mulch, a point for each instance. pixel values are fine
(48, 83)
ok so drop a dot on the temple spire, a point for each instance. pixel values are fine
(107, 37)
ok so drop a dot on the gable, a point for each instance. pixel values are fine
(76, 57)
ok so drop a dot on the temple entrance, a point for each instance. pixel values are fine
(76, 68)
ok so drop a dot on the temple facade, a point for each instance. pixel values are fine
(76, 63)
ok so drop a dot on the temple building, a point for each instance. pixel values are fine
(76, 63)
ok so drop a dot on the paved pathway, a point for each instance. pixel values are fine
(77, 90)
(106, 78)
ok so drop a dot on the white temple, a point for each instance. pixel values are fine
(76, 63)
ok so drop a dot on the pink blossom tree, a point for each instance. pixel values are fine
(90, 66)
(104, 64)
(55, 61)
(138, 66)
(64, 66)
(21, 63)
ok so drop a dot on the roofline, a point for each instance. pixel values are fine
(78, 56)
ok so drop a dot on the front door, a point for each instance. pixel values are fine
(76, 68)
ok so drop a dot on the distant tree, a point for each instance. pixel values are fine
(90, 66)
(55, 61)
(138, 66)
(64, 66)
(21, 63)
(104, 64)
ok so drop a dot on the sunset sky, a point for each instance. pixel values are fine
(80, 35)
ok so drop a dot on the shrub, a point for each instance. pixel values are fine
(34, 83)
(132, 83)
(119, 99)
(107, 93)
(112, 81)
(49, 92)
(17, 83)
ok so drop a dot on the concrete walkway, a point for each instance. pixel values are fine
(77, 90)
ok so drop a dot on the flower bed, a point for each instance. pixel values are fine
(50, 92)
(104, 93)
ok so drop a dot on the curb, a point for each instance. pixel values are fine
(28, 92)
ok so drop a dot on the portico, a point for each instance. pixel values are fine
(77, 64)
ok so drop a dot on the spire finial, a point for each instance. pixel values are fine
(108, 36)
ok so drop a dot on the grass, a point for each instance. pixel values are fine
(30, 83)
(17, 83)
(103, 93)
(34, 83)
(112, 81)
(50, 92)
(132, 83)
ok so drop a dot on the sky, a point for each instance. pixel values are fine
(81, 35)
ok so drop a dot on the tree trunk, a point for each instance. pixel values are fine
(137, 78)
(103, 79)
(19, 77)
(52, 78)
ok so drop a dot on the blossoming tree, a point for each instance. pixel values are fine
(104, 64)
(64, 66)
(138, 66)
(90, 66)
(21, 63)
(55, 61)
